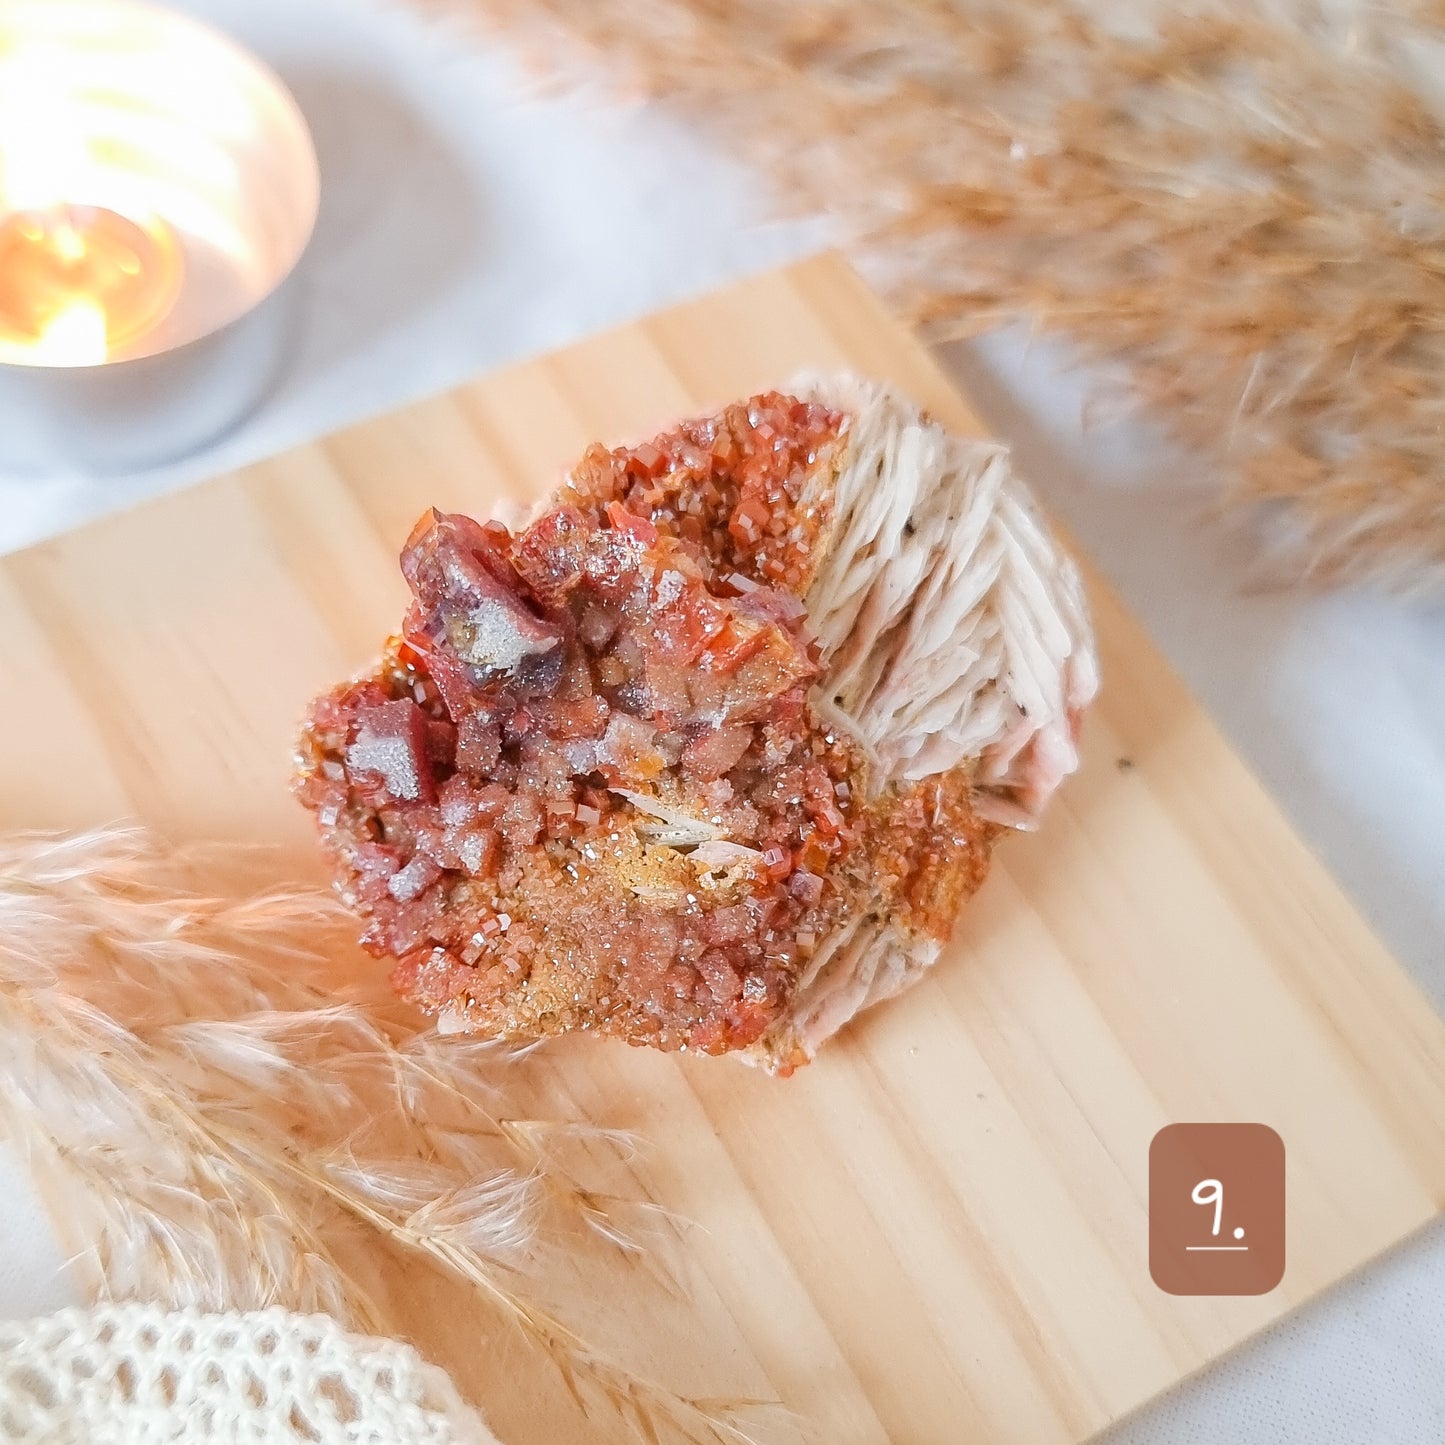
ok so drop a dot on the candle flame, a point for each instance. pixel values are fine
(77, 273)
(74, 336)
(69, 244)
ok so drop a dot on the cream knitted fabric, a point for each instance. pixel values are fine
(133, 1374)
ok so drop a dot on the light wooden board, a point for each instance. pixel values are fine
(938, 1231)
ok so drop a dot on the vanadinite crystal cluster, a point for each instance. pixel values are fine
(586, 787)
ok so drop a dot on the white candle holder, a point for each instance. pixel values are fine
(171, 132)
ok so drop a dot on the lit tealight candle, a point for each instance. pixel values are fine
(157, 188)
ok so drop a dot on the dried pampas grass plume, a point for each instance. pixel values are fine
(217, 1124)
(1240, 208)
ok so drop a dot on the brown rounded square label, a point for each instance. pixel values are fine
(1216, 1209)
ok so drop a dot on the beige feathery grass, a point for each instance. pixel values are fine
(217, 1121)
(1239, 207)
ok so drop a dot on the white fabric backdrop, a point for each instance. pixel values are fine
(467, 222)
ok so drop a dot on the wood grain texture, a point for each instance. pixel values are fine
(938, 1231)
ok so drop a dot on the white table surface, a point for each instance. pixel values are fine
(467, 222)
